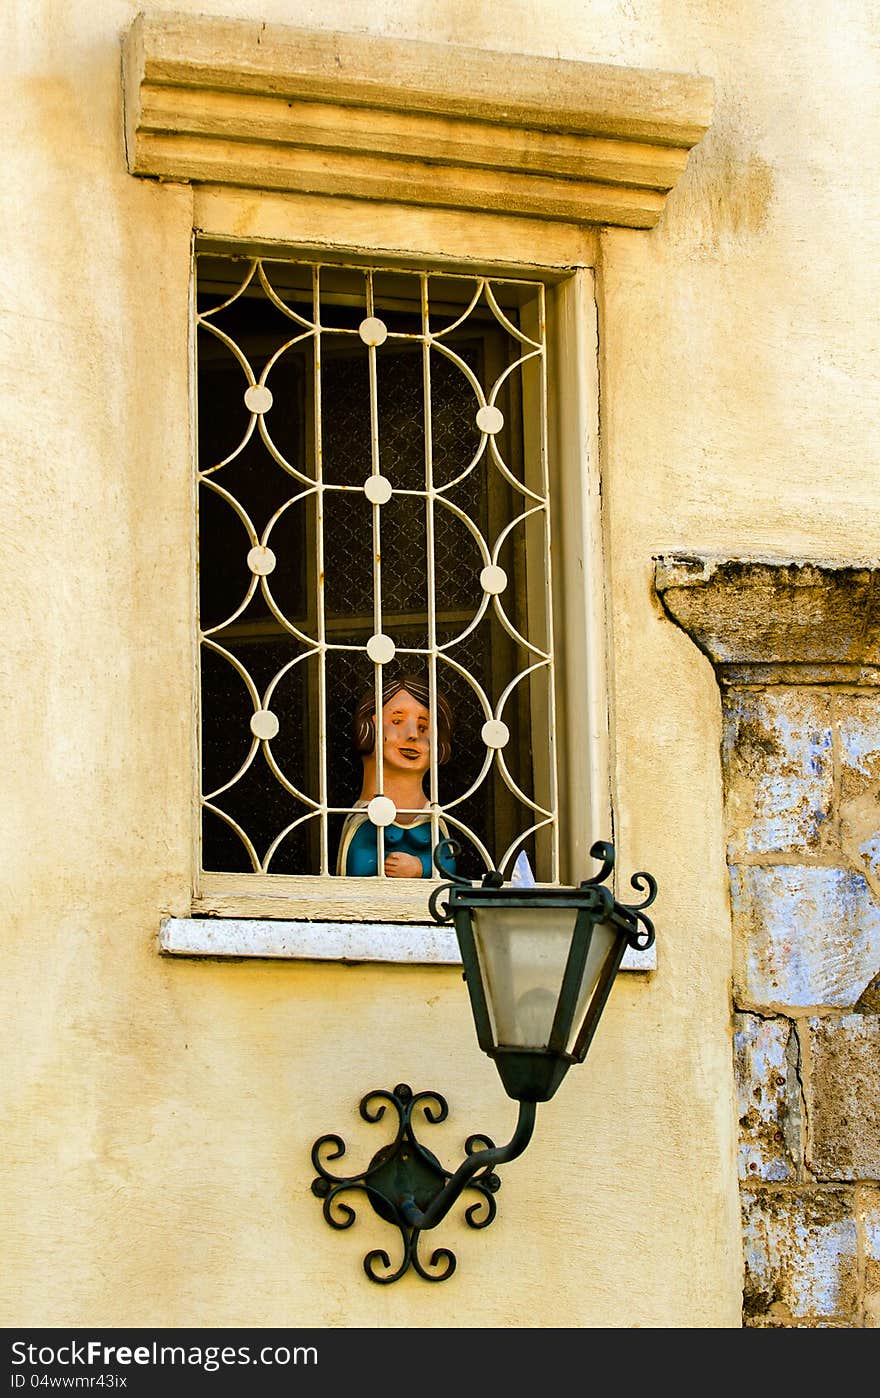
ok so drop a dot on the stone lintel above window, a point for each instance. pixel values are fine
(273, 107)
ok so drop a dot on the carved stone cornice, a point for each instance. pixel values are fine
(769, 621)
(237, 102)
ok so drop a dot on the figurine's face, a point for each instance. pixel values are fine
(405, 729)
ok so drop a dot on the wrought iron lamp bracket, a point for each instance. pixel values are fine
(408, 1187)
(404, 1182)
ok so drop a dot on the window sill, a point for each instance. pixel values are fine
(275, 939)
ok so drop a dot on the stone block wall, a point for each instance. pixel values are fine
(796, 650)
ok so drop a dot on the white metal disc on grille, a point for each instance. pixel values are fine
(258, 398)
(381, 810)
(264, 724)
(495, 734)
(373, 331)
(378, 490)
(490, 419)
(261, 561)
(380, 649)
(493, 579)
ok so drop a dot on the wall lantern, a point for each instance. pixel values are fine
(539, 963)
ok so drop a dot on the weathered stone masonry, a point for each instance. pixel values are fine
(796, 650)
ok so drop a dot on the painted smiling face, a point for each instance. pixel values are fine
(405, 734)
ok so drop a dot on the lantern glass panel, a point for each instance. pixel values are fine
(523, 953)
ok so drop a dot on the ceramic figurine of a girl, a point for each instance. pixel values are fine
(406, 758)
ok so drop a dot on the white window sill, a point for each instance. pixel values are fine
(400, 943)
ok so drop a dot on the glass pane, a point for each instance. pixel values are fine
(523, 960)
(523, 953)
(602, 945)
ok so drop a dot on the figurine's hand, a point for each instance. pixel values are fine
(402, 866)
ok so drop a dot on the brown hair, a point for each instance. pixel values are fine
(364, 728)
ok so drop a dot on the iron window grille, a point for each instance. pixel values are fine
(373, 497)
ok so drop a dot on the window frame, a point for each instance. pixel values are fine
(579, 621)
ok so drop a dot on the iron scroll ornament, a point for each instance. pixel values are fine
(404, 1182)
(631, 916)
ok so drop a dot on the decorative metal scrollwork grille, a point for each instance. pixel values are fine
(373, 499)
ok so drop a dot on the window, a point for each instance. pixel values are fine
(363, 151)
(373, 502)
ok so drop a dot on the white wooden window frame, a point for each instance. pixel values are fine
(289, 916)
(490, 163)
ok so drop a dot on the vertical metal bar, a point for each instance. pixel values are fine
(377, 569)
(430, 561)
(380, 781)
(319, 578)
(374, 466)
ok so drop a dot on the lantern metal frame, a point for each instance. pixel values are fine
(404, 1182)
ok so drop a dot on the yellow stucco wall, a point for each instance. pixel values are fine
(158, 1114)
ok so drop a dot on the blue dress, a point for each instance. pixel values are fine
(358, 848)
